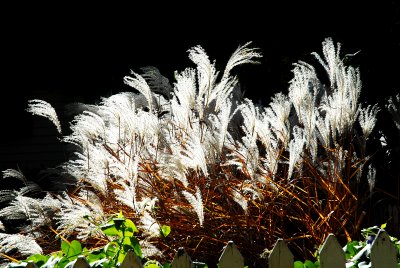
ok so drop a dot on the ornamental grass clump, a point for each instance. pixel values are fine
(196, 156)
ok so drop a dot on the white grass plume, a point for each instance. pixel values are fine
(43, 108)
(240, 199)
(393, 106)
(206, 73)
(331, 62)
(197, 203)
(296, 147)
(25, 245)
(13, 173)
(139, 83)
(367, 119)
(81, 215)
(242, 55)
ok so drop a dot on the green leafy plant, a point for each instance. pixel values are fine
(121, 232)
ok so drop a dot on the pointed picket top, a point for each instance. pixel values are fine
(331, 253)
(81, 262)
(182, 260)
(280, 256)
(131, 261)
(31, 264)
(383, 252)
(231, 257)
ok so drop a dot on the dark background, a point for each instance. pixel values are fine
(83, 55)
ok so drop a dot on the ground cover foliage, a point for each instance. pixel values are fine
(195, 155)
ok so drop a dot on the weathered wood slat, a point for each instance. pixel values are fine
(131, 261)
(81, 262)
(231, 257)
(182, 260)
(31, 264)
(331, 254)
(383, 252)
(281, 256)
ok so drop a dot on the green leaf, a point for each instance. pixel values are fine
(351, 249)
(110, 229)
(63, 262)
(383, 226)
(64, 247)
(165, 230)
(71, 251)
(130, 227)
(111, 249)
(38, 259)
(121, 256)
(167, 265)
(309, 264)
(119, 223)
(75, 248)
(136, 246)
(120, 215)
(126, 241)
(298, 264)
(95, 256)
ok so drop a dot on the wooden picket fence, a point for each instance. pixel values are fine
(383, 255)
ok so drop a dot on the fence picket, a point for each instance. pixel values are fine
(181, 260)
(81, 262)
(131, 261)
(331, 254)
(281, 256)
(231, 257)
(31, 264)
(383, 252)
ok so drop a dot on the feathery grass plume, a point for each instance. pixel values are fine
(246, 155)
(206, 76)
(331, 62)
(43, 108)
(296, 146)
(242, 55)
(157, 82)
(221, 123)
(302, 90)
(149, 249)
(127, 195)
(240, 200)
(23, 207)
(149, 225)
(371, 178)
(38, 212)
(197, 203)
(140, 84)
(81, 216)
(183, 102)
(277, 114)
(393, 106)
(13, 173)
(25, 245)
(367, 119)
